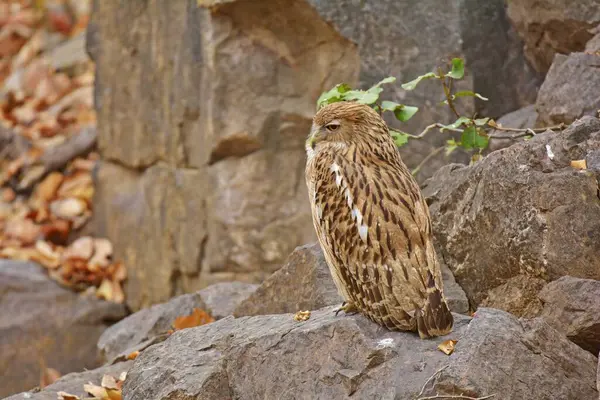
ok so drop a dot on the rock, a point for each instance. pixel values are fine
(203, 110)
(406, 39)
(42, 321)
(519, 296)
(73, 383)
(150, 325)
(325, 357)
(522, 118)
(222, 299)
(520, 212)
(69, 53)
(516, 359)
(572, 306)
(593, 46)
(570, 90)
(553, 26)
(303, 283)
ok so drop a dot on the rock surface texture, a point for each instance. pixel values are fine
(329, 357)
(572, 306)
(520, 213)
(553, 26)
(150, 325)
(570, 89)
(39, 320)
(203, 110)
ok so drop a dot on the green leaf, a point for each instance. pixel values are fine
(333, 95)
(471, 139)
(527, 137)
(456, 124)
(405, 113)
(389, 79)
(389, 105)
(481, 121)
(468, 93)
(413, 84)
(458, 69)
(361, 96)
(400, 138)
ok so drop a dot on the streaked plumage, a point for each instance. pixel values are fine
(373, 223)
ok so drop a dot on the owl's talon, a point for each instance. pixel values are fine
(347, 308)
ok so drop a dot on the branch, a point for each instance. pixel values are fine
(426, 159)
(448, 92)
(451, 396)
(429, 380)
(524, 131)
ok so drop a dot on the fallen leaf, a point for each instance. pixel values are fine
(82, 249)
(447, 347)
(95, 390)
(49, 376)
(196, 318)
(109, 382)
(46, 190)
(114, 394)
(302, 316)
(579, 164)
(102, 253)
(8, 195)
(24, 230)
(132, 356)
(66, 396)
(123, 375)
(68, 208)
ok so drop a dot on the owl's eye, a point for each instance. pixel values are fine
(334, 126)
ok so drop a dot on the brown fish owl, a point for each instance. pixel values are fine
(373, 223)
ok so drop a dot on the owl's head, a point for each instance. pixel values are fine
(344, 123)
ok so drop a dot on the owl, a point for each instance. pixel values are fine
(373, 223)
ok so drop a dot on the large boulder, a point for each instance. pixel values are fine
(520, 213)
(406, 39)
(570, 90)
(305, 283)
(203, 110)
(73, 383)
(516, 359)
(572, 306)
(329, 357)
(276, 357)
(42, 323)
(553, 26)
(152, 325)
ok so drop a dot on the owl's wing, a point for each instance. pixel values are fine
(376, 229)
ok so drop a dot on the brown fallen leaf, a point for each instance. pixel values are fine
(102, 253)
(82, 248)
(95, 390)
(66, 396)
(132, 356)
(49, 376)
(24, 230)
(196, 318)
(579, 164)
(302, 316)
(109, 382)
(447, 347)
(68, 208)
(47, 189)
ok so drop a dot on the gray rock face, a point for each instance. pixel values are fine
(406, 39)
(570, 90)
(572, 306)
(73, 383)
(553, 26)
(303, 283)
(517, 359)
(150, 325)
(41, 320)
(203, 110)
(328, 357)
(275, 357)
(521, 211)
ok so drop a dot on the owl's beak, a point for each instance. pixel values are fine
(312, 138)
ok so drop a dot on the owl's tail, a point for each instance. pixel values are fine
(435, 318)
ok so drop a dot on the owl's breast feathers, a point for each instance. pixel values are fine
(375, 230)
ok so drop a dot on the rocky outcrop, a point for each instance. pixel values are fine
(305, 283)
(572, 306)
(553, 26)
(73, 383)
(203, 110)
(522, 211)
(151, 325)
(570, 89)
(516, 359)
(42, 323)
(329, 357)
(406, 40)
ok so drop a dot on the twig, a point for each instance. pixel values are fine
(426, 159)
(429, 380)
(454, 396)
(523, 131)
(447, 92)
(430, 127)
